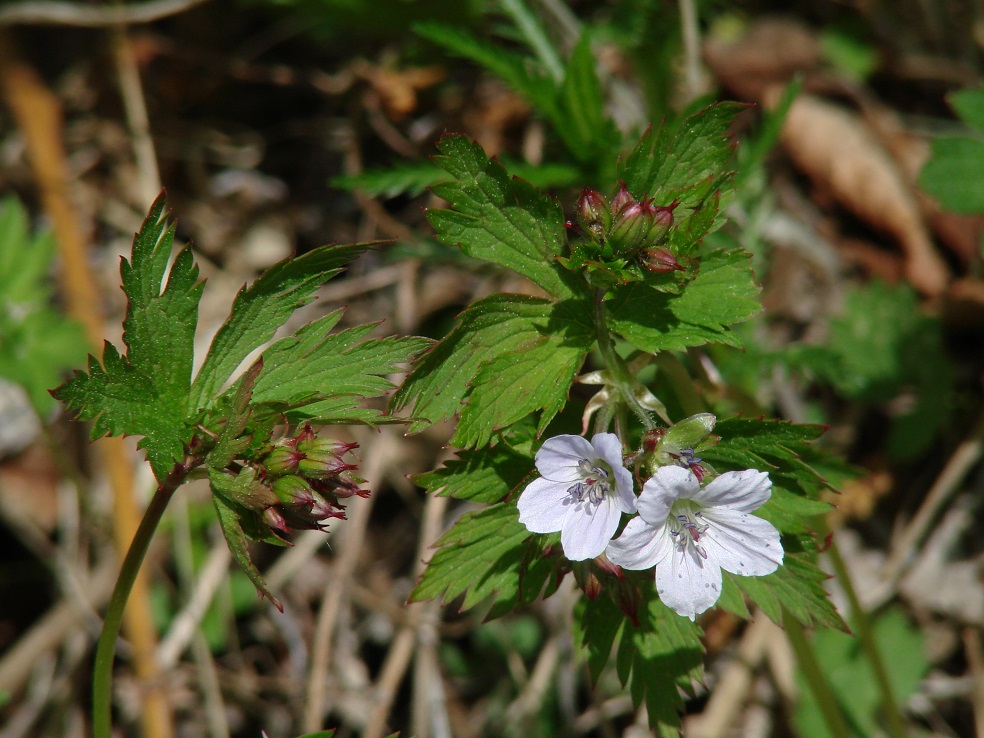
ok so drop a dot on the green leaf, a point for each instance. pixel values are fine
(259, 310)
(723, 293)
(655, 659)
(406, 178)
(519, 72)
(969, 105)
(488, 556)
(316, 372)
(783, 450)
(796, 588)
(686, 161)
(849, 674)
(145, 393)
(536, 35)
(231, 521)
(587, 130)
(498, 326)
(953, 173)
(484, 475)
(500, 220)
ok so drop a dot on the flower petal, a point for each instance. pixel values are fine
(640, 546)
(662, 489)
(688, 583)
(544, 506)
(743, 544)
(588, 529)
(559, 457)
(609, 449)
(743, 491)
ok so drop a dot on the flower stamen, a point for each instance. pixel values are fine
(594, 487)
(694, 527)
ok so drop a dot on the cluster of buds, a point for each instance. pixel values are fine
(298, 482)
(629, 228)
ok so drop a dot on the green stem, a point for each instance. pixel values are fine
(866, 634)
(622, 379)
(831, 711)
(102, 676)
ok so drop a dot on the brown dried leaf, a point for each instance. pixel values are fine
(841, 155)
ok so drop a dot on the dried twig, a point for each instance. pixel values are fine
(53, 12)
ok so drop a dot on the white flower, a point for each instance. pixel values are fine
(689, 534)
(582, 492)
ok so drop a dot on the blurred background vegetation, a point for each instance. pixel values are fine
(279, 125)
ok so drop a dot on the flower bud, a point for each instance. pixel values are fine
(322, 466)
(660, 261)
(283, 459)
(622, 198)
(691, 431)
(293, 490)
(593, 214)
(631, 227)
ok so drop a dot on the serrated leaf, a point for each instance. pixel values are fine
(536, 35)
(783, 450)
(405, 178)
(231, 441)
(487, 556)
(655, 659)
(722, 294)
(513, 385)
(145, 393)
(796, 588)
(230, 521)
(335, 371)
(520, 73)
(587, 130)
(685, 161)
(496, 326)
(500, 220)
(260, 309)
(484, 475)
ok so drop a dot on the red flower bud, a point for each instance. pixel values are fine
(622, 198)
(660, 261)
(593, 214)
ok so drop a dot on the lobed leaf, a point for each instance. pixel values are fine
(686, 161)
(500, 220)
(487, 556)
(260, 309)
(333, 371)
(231, 521)
(655, 659)
(458, 368)
(483, 475)
(795, 588)
(145, 393)
(722, 294)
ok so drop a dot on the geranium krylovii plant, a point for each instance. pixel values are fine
(252, 432)
(658, 516)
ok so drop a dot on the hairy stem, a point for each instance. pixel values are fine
(622, 380)
(102, 677)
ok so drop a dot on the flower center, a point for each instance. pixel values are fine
(593, 486)
(686, 527)
(689, 460)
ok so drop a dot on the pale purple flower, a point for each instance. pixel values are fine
(582, 492)
(691, 533)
